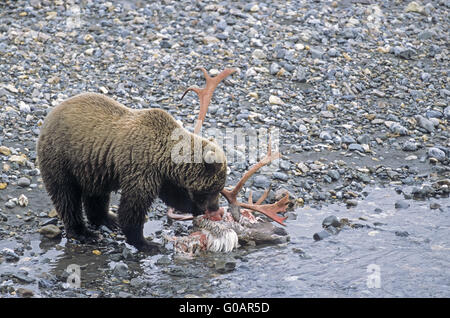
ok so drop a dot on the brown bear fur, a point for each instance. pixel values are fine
(91, 145)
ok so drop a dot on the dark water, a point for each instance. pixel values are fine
(377, 260)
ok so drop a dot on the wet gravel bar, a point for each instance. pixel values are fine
(357, 89)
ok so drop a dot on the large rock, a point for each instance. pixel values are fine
(50, 231)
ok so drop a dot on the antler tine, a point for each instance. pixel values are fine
(264, 196)
(261, 199)
(205, 72)
(192, 88)
(205, 94)
(250, 197)
(231, 195)
(269, 210)
(269, 157)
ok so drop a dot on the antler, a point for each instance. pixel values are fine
(205, 94)
(179, 217)
(269, 210)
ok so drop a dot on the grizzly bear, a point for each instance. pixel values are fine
(91, 145)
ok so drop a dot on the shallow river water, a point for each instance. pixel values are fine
(364, 262)
(397, 253)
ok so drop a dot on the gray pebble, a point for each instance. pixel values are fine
(224, 266)
(401, 204)
(436, 153)
(163, 261)
(274, 68)
(9, 255)
(302, 129)
(165, 44)
(447, 113)
(3, 217)
(137, 282)
(25, 292)
(300, 75)
(123, 294)
(280, 176)
(334, 174)
(434, 206)
(23, 277)
(325, 135)
(321, 235)
(434, 114)
(363, 139)
(425, 123)
(222, 25)
(409, 146)
(333, 52)
(426, 34)
(331, 221)
(316, 53)
(357, 147)
(425, 76)
(396, 128)
(120, 270)
(405, 53)
(10, 204)
(347, 139)
(422, 192)
(23, 182)
(24, 108)
(261, 181)
(127, 254)
(402, 233)
(285, 164)
(327, 179)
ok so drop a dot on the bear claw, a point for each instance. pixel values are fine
(84, 236)
(148, 247)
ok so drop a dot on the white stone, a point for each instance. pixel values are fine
(275, 100)
(259, 54)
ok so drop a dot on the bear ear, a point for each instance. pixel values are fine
(210, 157)
(212, 161)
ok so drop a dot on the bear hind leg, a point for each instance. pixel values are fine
(67, 201)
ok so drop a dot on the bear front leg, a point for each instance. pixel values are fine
(97, 211)
(132, 211)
